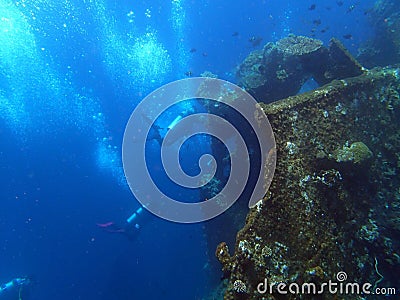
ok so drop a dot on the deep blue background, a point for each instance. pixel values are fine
(61, 172)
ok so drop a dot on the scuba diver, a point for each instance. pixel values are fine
(130, 229)
(157, 133)
(14, 288)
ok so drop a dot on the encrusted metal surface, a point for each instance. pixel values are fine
(334, 203)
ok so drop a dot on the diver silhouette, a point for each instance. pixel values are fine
(155, 132)
(130, 229)
(16, 288)
(111, 227)
(126, 230)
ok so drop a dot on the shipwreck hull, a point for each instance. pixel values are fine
(334, 203)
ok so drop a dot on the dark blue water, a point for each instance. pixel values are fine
(71, 73)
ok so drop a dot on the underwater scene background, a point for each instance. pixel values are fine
(72, 72)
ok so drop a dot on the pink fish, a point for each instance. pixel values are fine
(105, 225)
(111, 227)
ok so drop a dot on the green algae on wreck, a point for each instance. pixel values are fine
(357, 153)
(316, 219)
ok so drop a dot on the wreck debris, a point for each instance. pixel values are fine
(324, 215)
(281, 68)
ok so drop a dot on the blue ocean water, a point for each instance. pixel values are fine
(71, 73)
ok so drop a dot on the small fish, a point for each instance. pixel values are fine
(324, 29)
(105, 225)
(367, 12)
(312, 7)
(189, 73)
(205, 54)
(193, 50)
(317, 22)
(235, 33)
(255, 41)
(348, 36)
(351, 8)
(339, 3)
